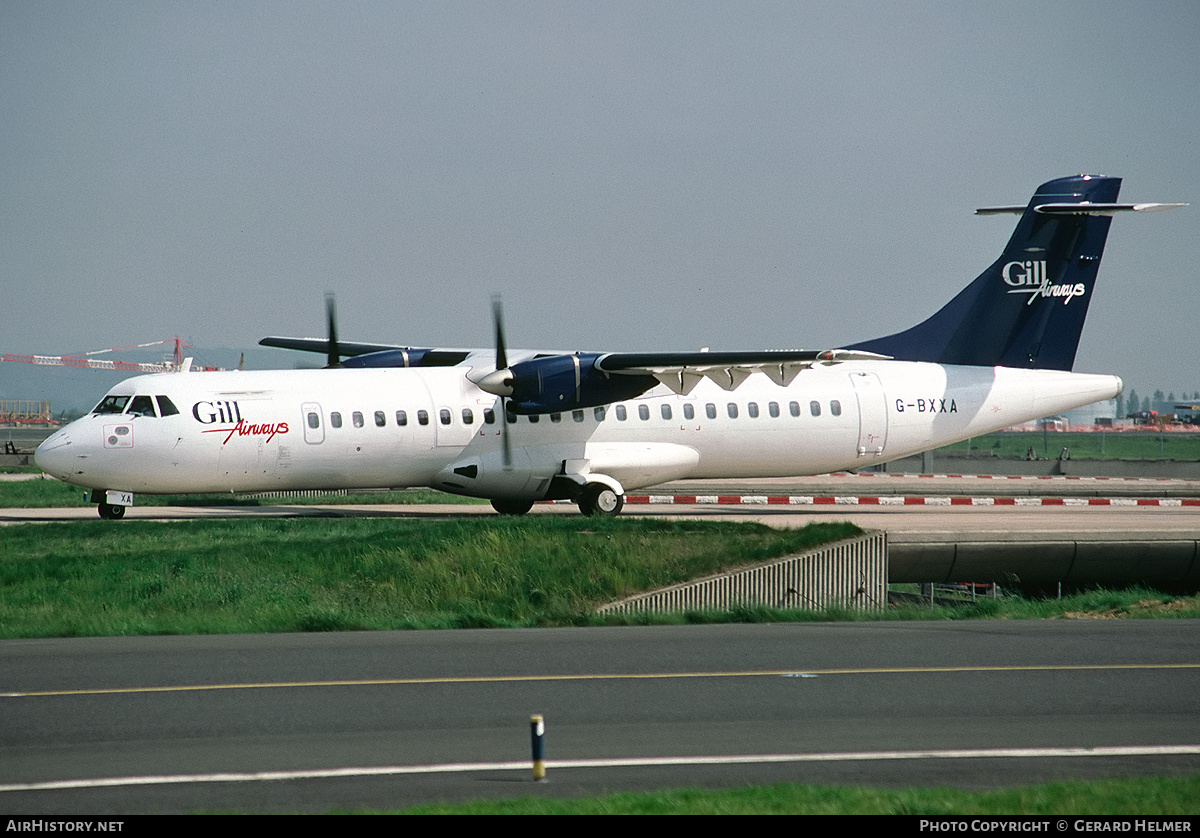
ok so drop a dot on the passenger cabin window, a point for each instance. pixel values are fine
(401, 418)
(731, 408)
(555, 417)
(814, 407)
(380, 419)
(335, 419)
(357, 418)
(598, 412)
(314, 421)
(166, 407)
(835, 407)
(689, 412)
(142, 406)
(666, 411)
(773, 409)
(794, 408)
(577, 415)
(752, 409)
(534, 418)
(422, 417)
(643, 411)
(489, 416)
(621, 413)
(468, 416)
(710, 410)
(112, 404)
(444, 416)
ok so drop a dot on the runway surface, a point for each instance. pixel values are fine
(899, 518)
(389, 719)
(1147, 504)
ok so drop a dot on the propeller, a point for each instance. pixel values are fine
(498, 322)
(333, 355)
(500, 381)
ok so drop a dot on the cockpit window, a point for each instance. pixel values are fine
(112, 404)
(166, 407)
(142, 406)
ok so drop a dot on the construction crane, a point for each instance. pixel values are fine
(86, 360)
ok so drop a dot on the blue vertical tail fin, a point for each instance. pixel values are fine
(1027, 309)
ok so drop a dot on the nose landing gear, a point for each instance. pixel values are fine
(111, 512)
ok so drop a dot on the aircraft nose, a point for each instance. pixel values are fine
(53, 456)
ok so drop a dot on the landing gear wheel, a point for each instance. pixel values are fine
(599, 500)
(110, 512)
(508, 506)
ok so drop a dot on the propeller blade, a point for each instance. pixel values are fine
(501, 384)
(334, 355)
(498, 321)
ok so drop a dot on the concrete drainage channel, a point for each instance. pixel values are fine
(855, 573)
(1031, 559)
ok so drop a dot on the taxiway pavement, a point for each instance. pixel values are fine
(387, 719)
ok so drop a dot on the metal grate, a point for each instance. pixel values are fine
(849, 574)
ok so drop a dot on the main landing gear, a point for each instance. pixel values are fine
(594, 500)
(508, 506)
(598, 500)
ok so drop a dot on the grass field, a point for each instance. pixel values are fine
(222, 576)
(1129, 797)
(270, 575)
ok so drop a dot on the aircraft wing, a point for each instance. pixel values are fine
(682, 371)
(322, 345)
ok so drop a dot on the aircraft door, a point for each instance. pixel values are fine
(456, 426)
(872, 413)
(314, 423)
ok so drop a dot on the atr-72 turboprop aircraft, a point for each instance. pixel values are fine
(589, 426)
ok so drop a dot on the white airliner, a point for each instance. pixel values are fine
(589, 426)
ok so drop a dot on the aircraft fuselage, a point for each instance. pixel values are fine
(380, 428)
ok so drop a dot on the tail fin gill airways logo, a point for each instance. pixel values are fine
(1030, 278)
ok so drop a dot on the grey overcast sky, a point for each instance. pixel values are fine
(629, 175)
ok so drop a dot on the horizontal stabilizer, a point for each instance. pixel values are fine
(1101, 209)
(1079, 209)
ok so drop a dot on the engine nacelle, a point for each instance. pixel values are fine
(558, 383)
(387, 358)
(407, 358)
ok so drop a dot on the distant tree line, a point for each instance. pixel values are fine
(1130, 402)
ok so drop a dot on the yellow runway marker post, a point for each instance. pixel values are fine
(537, 736)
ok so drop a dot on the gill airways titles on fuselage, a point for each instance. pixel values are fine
(212, 412)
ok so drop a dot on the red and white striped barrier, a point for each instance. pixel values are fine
(998, 476)
(899, 500)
